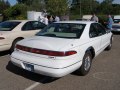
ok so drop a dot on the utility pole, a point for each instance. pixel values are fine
(80, 10)
(91, 5)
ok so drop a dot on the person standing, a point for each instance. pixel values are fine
(45, 21)
(50, 19)
(109, 22)
(94, 18)
(57, 19)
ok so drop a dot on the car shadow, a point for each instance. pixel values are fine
(3, 53)
(29, 75)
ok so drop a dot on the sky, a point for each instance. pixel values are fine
(13, 2)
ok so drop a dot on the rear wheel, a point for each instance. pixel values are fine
(86, 64)
(13, 45)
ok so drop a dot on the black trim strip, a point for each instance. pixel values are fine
(46, 66)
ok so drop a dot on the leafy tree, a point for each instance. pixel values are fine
(84, 6)
(57, 7)
(26, 2)
(37, 5)
(4, 5)
(16, 11)
(105, 7)
(116, 9)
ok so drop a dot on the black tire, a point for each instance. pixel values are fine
(109, 46)
(86, 64)
(13, 44)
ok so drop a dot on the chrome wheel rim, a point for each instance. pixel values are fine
(87, 63)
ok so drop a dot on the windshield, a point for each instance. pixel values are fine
(63, 30)
(8, 26)
(116, 20)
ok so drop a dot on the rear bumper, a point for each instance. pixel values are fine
(46, 70)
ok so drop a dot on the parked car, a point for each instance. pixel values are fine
(116, 19)
(15, 30)
(115, 28)
(62, 47)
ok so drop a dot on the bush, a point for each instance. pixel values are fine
(74, 17)
(21, 17)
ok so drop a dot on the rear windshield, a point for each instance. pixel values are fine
(8, 26)
(63, 30)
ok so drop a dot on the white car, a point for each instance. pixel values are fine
(62, 48)
(14, 30)
(115, 28)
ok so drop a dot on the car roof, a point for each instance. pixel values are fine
(81, 22)
(21, 20)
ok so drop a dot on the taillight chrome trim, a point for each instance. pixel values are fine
(45, 52)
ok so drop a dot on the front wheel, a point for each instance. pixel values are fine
(86, 64)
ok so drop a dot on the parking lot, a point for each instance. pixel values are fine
(104, 74)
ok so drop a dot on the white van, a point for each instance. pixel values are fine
(116, 19)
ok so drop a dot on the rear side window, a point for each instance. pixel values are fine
(8, 25)
(101, 30)
(93, 32)
(96, 30)
(28, 26)
(33, 25)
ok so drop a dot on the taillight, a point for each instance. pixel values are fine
(2, 38)
(45, 52)
(68, 53)
(23, 48)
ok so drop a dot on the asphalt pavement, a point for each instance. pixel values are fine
(104, 74)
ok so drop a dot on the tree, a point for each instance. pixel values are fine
(4, 5)
(116, 9)
(84, 6)
(16, 12)
(37, 5)
(105, 7)
(57, 7)
(26, 2)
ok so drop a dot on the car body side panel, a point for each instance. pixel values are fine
(10, 36)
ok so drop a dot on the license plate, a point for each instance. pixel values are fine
(29, 67)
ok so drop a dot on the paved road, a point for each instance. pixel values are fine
(104, 75)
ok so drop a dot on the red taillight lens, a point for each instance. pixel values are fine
(2, 38)
(18, 47)
(68, 53)
(45, 52)
(23, 48)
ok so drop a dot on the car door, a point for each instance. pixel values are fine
(31, 28)
(105, 36)
(95, 38)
